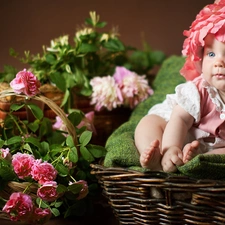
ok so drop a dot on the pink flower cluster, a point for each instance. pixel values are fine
(210, 20)
(20, 207)
(123, 88)
(25, 82)
(25, 165)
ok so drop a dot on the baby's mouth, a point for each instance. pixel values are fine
(220, 75)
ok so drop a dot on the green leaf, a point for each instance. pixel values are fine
(15, 107)
(114, 45)
(86, 48)
(50, 58)
(61, 188)
(55, 149)
(44, 148)
(73, 155)
(33, 141)
(1, 142)
(62, 170)
(36, 111)
(13, 53)
(55, 212)
(33, 126)
(27, 147)
(69, 141)
(14, 140)
(75, 117)
(59, 81)
(85, 137)
(66, 97)
(80, 175)
(58, 204)
(45, 127)
(42, 203)
(101, 24)
(75, 188)
(86, 154)
(6, 172)
(96, 150)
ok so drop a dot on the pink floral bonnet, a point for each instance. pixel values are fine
(211, 19)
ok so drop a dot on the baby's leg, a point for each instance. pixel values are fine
(190, 150)
(148, 138)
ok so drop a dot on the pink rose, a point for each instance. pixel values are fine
(211, 19)
(19, 207)
(5, 154)
(43, 172)
(41, 215)
(25, 82)
(84, 191)
(22, 164)
(48, 191)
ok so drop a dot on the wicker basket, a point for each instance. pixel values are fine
(161, 198)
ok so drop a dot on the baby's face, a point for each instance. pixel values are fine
(213, 63)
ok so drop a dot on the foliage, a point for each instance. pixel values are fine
(38, 138)
(93, 53)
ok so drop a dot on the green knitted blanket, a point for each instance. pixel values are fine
(121, 150)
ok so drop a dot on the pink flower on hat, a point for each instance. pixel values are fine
(210, 20)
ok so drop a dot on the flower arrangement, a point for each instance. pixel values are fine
(44, 166)
(71, 67)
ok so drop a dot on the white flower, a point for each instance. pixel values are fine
(106, 93)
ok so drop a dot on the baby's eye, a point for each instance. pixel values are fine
(211, 54)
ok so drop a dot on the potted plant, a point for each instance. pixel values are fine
(78, 71)
(92, 53)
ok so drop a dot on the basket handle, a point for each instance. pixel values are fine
(52, 105)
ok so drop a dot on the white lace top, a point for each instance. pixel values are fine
(187, 95)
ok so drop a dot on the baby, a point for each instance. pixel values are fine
(192, 120)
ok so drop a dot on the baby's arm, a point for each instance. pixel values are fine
(173, 138)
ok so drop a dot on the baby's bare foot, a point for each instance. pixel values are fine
(190, 150)
(151, 157)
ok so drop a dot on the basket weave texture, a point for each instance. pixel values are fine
(161, 198)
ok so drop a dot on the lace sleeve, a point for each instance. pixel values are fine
(187, 96)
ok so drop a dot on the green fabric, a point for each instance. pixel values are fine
(121, 150)
(205, 167)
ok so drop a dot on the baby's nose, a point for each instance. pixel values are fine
(219, 63)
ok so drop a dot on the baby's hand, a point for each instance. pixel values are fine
(172, 158)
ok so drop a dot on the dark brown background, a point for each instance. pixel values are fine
(29, 24)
